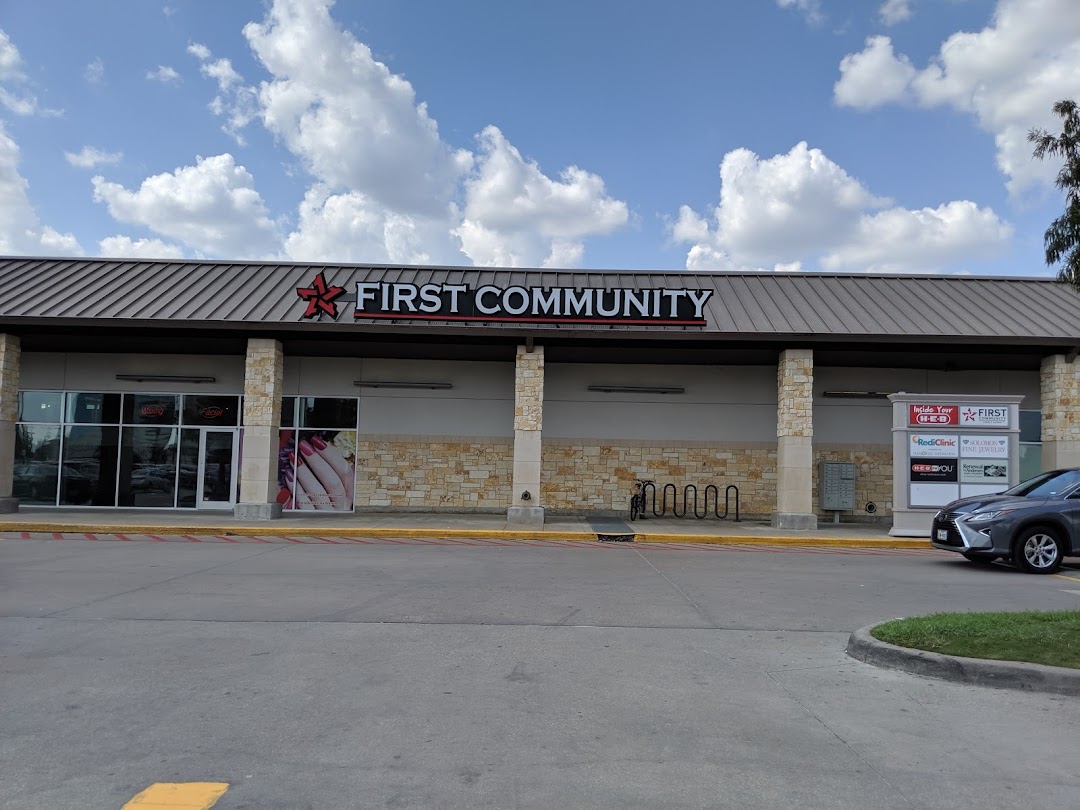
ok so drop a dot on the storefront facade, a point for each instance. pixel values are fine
(270, 388)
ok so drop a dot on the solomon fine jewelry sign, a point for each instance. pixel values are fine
(459, 302)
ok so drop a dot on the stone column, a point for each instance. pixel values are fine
(10, 355)
(263, 371)
(1060, 393)
(526, 509)
(794, 437)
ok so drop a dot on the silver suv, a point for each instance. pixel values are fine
(1034, 525)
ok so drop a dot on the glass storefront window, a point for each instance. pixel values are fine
(102, 409)
(88, 472)
(1030, 444)
(188, 483)
(328, 412)
(37, 463)
(211, 410)
(40, 406)
(288, 412)
(148, 466)
(151, 409)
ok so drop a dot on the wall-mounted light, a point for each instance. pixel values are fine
(435, 386)
(855, 395)
(166, 378)
(638, 389)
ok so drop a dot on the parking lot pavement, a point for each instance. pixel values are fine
(519, 675)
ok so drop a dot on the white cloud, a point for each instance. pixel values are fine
(21, 233)
(811, 9)
(354, 124)
(124, 247)
(95, 71)
(894, 11)
(517, 216)
(212, 206)
(351, 227)
(164, 74)
(10, 60)
(1008, 75)
(235, 101)
(800, 207)
(873, 76)
(88, 157)
(20, 102)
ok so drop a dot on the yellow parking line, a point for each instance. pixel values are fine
(1063, 576)
(178, 796)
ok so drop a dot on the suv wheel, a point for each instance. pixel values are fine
(1038, 550)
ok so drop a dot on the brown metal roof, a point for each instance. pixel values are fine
(750, 306)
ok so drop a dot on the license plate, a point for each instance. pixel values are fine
(942, 534)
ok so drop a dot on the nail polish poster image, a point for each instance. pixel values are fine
(317, 469)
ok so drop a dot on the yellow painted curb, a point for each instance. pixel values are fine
(464, 534)
(178, 796)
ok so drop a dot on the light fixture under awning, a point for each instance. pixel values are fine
(638, 389)
(440, 386)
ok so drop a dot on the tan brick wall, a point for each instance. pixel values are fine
(873, 476)
(795, 393)
(433, 472)
(599, 475)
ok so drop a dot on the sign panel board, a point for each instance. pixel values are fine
(984, 447)
(984, 416)
(933, 415)
(932, 445)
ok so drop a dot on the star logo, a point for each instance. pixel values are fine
(320, 297)
(968, 414)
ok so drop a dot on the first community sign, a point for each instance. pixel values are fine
(459, 302)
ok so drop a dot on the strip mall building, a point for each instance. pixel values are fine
(268, 387)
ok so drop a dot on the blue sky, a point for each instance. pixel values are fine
(781, 135)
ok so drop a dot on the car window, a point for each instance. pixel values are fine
(1047, 485)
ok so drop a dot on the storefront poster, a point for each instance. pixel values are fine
(317, 469)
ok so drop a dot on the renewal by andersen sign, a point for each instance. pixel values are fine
(459, 302)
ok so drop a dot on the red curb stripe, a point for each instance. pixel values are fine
(291, 539)
(123, 537)
(25, 535)
(328, 540)
(191, 538)
(57, 536)
(246, 539)
(155, 537)
(358, 540)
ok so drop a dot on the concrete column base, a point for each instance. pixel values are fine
(257, 511)
(525, 516)
(8, 505)
(798, 521)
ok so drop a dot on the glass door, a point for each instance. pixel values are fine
(217, 469)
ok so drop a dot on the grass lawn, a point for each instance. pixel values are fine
(1039, 637)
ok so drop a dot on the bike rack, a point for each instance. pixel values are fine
(644, 501)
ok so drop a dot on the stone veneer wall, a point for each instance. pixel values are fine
(873, 477)
(433, 472)
(1059, 386)
(593, 474)
(263, 372)
(10, 355)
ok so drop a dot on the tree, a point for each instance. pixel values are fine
(1062, 238)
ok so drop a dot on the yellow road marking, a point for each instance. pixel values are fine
(178, 796)
(1063, 576)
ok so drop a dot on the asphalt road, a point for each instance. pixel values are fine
(520, 675)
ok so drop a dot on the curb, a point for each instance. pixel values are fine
(975, 671)
(493, 534)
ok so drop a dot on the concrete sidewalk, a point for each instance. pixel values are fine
(373, 524)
